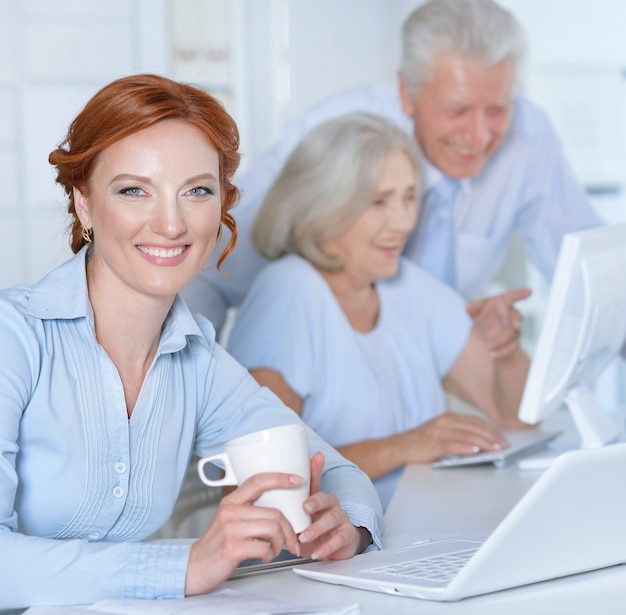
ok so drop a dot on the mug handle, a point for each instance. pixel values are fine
(229, 476)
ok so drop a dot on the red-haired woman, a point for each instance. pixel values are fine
(108, 383)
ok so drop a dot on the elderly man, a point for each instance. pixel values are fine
(492, 164)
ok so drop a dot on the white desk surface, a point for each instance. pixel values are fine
(443, 502)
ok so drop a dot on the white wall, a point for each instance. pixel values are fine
(298, 52)
(576, 72)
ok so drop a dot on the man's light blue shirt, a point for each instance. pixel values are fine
(80, 483)
(526, 187)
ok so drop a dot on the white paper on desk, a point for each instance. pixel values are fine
(222, 601)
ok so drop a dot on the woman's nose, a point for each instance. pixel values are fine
(403, 216)
(168, 219)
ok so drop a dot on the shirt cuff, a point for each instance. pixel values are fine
(363, 516)
(156, 570)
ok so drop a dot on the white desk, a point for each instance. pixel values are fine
(438, 503)
(454, 501)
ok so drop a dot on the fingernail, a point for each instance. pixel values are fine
(294, 479)
(475, 449)
(304, 537)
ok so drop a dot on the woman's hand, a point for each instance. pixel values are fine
(239, 531)
(331, 535)
(451, 434)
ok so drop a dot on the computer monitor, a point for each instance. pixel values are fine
(584, 330)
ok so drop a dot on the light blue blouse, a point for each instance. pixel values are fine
(80, 483)
(355, 386)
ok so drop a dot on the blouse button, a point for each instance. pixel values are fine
(118, 491)
(120, 467)
(94, 536)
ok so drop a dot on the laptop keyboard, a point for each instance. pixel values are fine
(436, 569)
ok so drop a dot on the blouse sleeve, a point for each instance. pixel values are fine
(280, 324)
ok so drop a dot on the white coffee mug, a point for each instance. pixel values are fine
(278, 449)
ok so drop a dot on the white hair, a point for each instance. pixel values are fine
(326, 182)
(478, 28)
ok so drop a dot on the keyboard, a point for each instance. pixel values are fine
(435, 569)
(521, 442)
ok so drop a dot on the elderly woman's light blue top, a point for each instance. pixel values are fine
(80, 483)
(355, 386)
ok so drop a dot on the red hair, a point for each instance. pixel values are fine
(129, 105)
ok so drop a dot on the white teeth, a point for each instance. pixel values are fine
(162, 252)
(464, 151)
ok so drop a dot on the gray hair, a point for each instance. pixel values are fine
(327, 181)
(477, 28)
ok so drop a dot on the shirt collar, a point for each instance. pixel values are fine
(62, 294)
(179, 324)
(431, 175)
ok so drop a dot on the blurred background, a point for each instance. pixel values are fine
(267, 60)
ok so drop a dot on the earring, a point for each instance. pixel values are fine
(87, 234)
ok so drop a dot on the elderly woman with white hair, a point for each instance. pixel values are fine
(352, 336)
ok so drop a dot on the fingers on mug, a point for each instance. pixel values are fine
(277, 449)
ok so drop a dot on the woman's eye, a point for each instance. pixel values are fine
(132, 191)
(200, 191)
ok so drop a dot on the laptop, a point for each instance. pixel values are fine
(522, 442)
(572, 520)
